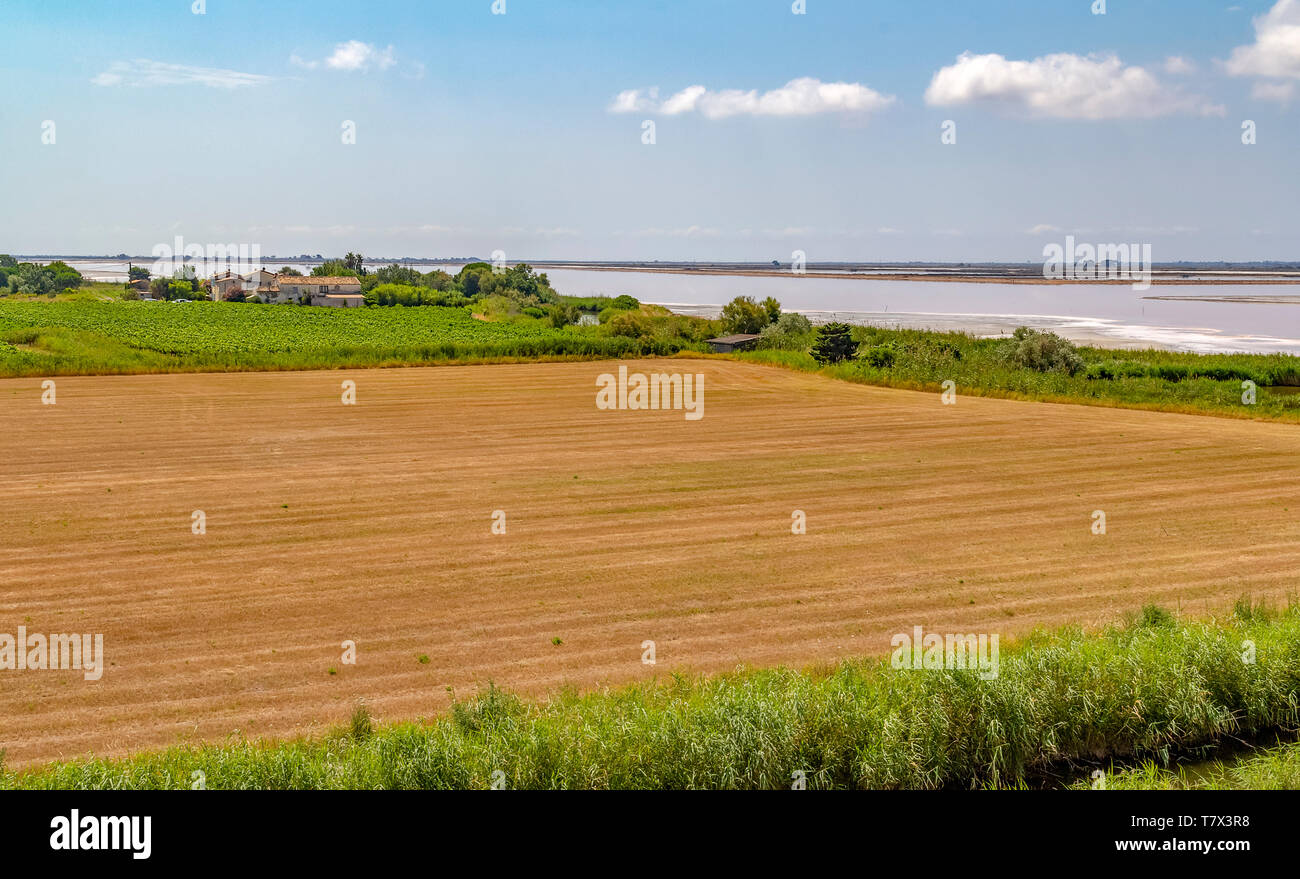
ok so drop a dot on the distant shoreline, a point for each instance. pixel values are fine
(1253, 280)
(1247, 300)
(1168, 274)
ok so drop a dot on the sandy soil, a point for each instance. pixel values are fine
(372, 523)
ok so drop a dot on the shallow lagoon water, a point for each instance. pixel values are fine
(1110, 315)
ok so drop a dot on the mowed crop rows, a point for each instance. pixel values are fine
(372, 523)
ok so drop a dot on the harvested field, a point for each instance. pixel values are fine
(371, 523)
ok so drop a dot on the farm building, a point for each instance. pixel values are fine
(264, 286)
(727, 344)
(338, 292)
(251, 284)
(339, 300)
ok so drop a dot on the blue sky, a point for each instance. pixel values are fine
(523, 132)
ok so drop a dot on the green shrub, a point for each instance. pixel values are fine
(744, 315)
(562, 315)
(1042, 352)
(1156, 617)
(791, 323)
(630, 324)
(878, 356)
(361, 726)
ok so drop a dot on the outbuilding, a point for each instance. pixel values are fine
(727, 344)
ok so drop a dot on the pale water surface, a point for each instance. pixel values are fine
(1099, 314)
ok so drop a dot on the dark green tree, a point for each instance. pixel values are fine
(355, 262)
(834, 343)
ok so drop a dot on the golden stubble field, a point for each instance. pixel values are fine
(372, 523)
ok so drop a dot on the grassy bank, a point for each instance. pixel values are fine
(1150, 379)
(1275, 768)
(1062, 703)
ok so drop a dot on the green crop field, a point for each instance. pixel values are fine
(92, 337)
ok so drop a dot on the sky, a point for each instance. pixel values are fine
(453, 128)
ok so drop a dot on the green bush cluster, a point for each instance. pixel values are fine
(32, 279)
(1042, 352)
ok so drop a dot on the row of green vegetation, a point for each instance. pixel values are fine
(84, 335)
(1038, 366)
(1062, 704)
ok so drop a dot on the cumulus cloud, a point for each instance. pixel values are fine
(142, 72)
(799, 97)
(1276, 50)
(353, 55)
(1275, 54)
(1063, 86)
(1178, 65)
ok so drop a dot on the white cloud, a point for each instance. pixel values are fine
(682, 232)
(1062, 86)
(1274, 56)
(799, 97)
(1264, 90)
(141, 72)
(1042, 229)
(1177, 65)
(635, 101)
(354, 55)
(1276, 50)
